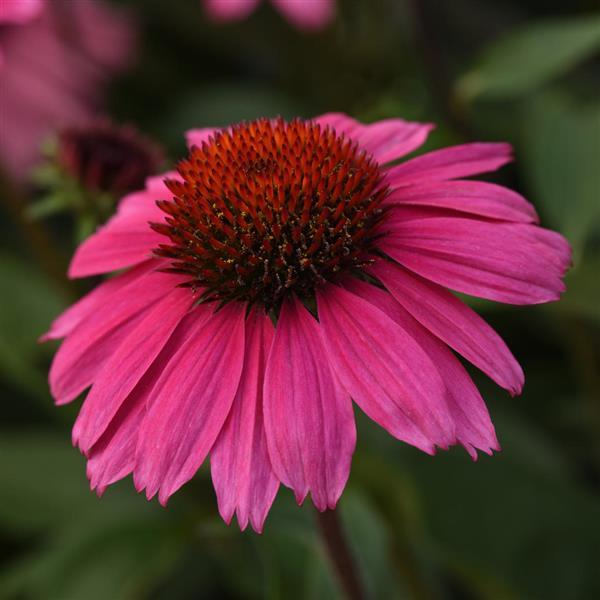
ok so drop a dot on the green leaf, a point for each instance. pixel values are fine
(25, 314)
(476, 521)
(371, 542)
(583, 290)
(529, 57)
(561, 146)
(34, 465)
(90, 548)
(47, 206)
(96, 560)
(525, 531)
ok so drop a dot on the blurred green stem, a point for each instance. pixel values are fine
(39, 243)
(427, 39)
(340, 554)
(587, 366)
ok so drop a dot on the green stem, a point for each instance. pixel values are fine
(340, 554)
(427, 30)
(39, 243)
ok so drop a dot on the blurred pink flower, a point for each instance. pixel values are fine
(308, 15)
(306, 224)
(19, 11)
(54, 60)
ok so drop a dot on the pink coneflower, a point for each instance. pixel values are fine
(55, 58)
(303, 224)
(307, 15)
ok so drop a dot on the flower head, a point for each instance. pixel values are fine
(292, 206)
(307, 15)
(307, 225)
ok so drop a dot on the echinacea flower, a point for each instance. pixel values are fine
(307, 15)
(283, 271)
(55, 58)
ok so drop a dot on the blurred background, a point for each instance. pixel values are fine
(522, 524)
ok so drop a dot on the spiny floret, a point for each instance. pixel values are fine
(271, 207)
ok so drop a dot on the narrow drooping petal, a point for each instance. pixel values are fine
(229, 10)
(195, 137)
(308, 416)
(84, 351)
(474, 429)
(80, 358)
(116, 246)
(450, 163)
(239, 461)
(307, 14)
(384, 370)
(112, 457)
(505, 262)
(133, 357)
(190, 402)
(386, 140)
(126, 239)
(68, 320)
(453, 322)
(472, 197)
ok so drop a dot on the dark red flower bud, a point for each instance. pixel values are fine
(107, 157)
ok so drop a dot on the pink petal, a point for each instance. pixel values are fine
(308, 416)
(196, 137)
(143, 202)
(474, 427)
(308, 15)
(92, 342)
(474, 197)
(384, 370)
(229, 10)
(386, 140)
(126, 239)
(512, 263)
(112, 457)
(241, 470)
(79, 359)
(453, 322)
(116, 246)
(68, 320)
(190, 402)
(450, 163)
(127, 364)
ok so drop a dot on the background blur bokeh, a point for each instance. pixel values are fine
(522, 524)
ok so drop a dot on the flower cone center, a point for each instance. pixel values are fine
(269, 208)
